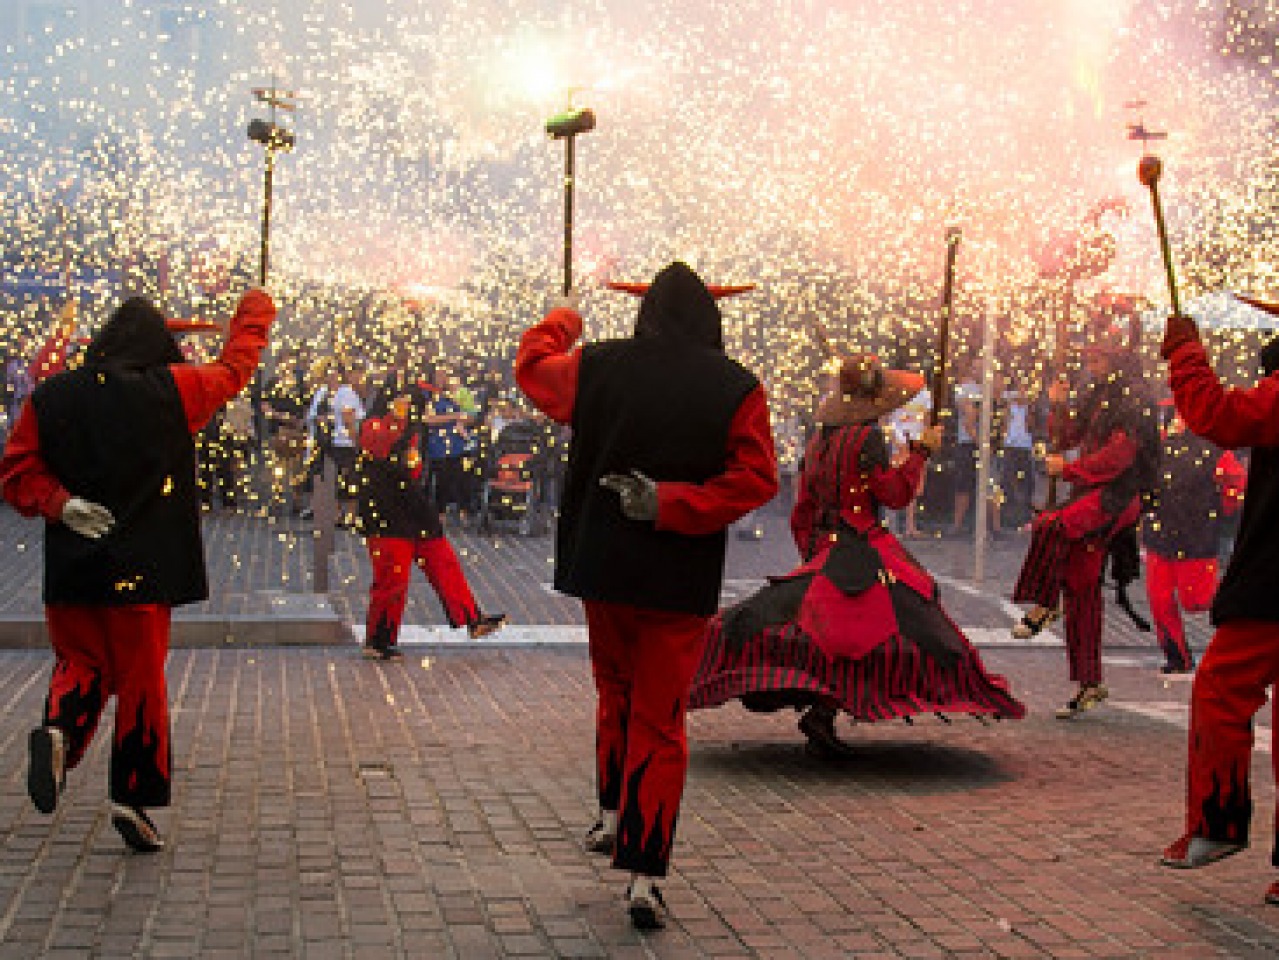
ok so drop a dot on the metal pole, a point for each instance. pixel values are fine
(266, 216)
(983, 447)
(568, 215)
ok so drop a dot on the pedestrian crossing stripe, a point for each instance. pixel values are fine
(1178, 714)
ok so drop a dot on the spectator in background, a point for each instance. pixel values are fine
(906, 425)
(964, 453)
(448, 443)
(1016, 455)
(333, 423)
(285, 409)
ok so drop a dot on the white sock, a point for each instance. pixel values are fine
(609, 819)
(641, 885)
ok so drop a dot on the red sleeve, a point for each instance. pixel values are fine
(205, 387)
(749, 479)
(378, 435)
(25, 479)
(545, 369)
(1103, 464)
(805, 509)
(895, 487)
(52, 357)
(1231, 481)
(1229, 418)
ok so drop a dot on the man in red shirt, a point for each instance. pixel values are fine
(1242, 659)
(671, 444)
(105, 454)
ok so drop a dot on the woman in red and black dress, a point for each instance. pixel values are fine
(857, 626)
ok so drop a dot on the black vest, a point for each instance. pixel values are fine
(1186, 524)
(394, 503)
(664, 408)
(1250, 587)
(120, 438)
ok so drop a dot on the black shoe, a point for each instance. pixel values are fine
(487, 624)
(1176, 669)
(647, 909)
(46, 768)
(818, 725)
(136, 828)
(599, 840)
(371, 652)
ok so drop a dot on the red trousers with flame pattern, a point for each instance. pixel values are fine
(393, 559)
(643, 662)
(105, 651)
(1239, 666)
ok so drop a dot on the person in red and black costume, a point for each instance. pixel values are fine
(402, 527)
(1118, 454)
(1242, 659)
(105, 454)
(858, 626)
(671, 443)
(1199, 486)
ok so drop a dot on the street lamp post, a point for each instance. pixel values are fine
(566, 126)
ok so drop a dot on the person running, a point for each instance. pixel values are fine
(104, 453)
(402, 527)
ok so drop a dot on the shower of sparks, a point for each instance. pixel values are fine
(819, 150)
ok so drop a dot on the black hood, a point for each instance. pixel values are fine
(1270, 357)
(135, 338)
(679, 307)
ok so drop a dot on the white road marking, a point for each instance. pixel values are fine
(1178, 714)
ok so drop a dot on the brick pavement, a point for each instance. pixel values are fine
(329, 807)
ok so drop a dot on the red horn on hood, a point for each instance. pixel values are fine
(718, 291)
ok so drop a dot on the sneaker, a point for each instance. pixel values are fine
(371, 652)
(599, 839)
(1190, 853)
(136, 828)
(1087, 698)
(1029, 626)
(1272, 894)
(818, 725)
(46, 769)
(645, 905)
(487, 624)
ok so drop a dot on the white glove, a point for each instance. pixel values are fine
(571, 301)
(90, 520)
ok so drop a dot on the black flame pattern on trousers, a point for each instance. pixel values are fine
(610, 768)
(75, 713)
(1226, 812)
(643, 842)
(138, 778)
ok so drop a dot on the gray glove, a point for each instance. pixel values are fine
(90, 520)
(638, 493)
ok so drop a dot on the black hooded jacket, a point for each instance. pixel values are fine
(115, 433)
(661, 402)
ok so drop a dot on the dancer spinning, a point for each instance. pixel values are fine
(1118, 453)
(402, 527)
(646, 556)
(1242, 659)
(105, 454)
(857, 626)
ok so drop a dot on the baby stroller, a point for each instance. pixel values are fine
(512, 494)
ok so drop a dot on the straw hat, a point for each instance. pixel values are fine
(867, 391)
